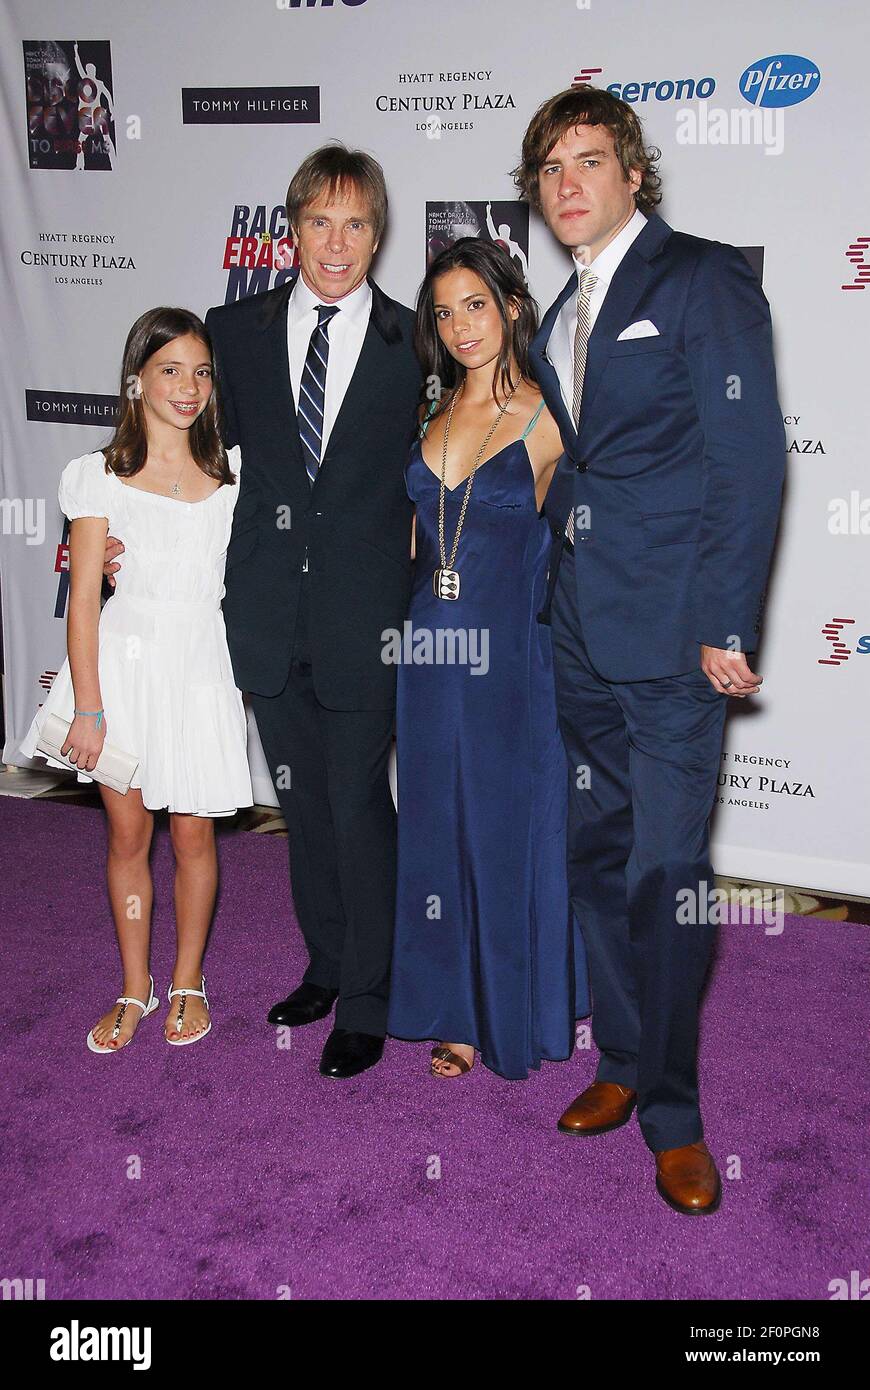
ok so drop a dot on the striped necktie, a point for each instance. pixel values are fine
(588, 281)
(313, 391)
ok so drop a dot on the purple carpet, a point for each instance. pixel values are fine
(258, 1179)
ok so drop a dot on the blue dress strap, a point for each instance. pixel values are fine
(425, 421)
(531, 425)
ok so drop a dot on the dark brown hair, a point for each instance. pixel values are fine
(505, 281)
(338, 170)
(128, 450)
(587, 105)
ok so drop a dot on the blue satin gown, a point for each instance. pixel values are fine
(486, 949)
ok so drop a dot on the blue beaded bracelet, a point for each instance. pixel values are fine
(97, 712)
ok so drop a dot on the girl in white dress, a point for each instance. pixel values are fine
(152, 672)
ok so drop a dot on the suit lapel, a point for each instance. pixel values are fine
(274, 369)
(548, 379)
(371, 364)
(629, 283)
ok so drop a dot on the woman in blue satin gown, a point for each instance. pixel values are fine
(487, 956)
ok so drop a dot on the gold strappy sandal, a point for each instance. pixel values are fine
(444, 1054)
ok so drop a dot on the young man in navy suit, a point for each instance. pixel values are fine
(656, 359)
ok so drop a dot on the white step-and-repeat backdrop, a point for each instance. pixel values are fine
(146, 154)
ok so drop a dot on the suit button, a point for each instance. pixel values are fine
(581, 467)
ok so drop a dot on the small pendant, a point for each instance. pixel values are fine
(175, 489)
(445, 583)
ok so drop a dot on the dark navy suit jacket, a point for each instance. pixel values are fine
(679, 458)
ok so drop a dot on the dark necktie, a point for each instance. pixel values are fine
(312, 392)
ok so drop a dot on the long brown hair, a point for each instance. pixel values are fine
(587, 105)
(503, 278)
(128, 450)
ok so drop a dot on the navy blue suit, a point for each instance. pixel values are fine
(676, 473)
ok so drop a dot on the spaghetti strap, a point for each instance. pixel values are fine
(531, 425)
(425, 421)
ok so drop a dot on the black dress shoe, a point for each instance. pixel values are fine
(347, 1053)
(306, 1004)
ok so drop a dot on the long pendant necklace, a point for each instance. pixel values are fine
(445, 581)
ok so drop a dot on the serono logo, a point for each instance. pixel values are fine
(834, 632)
(781, 80)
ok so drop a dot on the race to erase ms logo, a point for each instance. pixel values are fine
(784, 79)
(259, 253)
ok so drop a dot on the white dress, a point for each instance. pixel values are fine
(166, 678)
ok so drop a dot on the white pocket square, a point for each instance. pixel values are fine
(644, 328)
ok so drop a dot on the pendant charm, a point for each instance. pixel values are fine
(175, 489)
(446, 583)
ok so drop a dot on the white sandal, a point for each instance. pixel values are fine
(124, 1000)
(198, 994)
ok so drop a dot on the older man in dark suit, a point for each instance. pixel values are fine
(319, 383)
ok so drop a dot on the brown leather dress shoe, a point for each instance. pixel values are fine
(601, 1107)
(688, 1179)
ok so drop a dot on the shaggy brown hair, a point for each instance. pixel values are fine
(587, 105)
(127, 452)
(337, 169)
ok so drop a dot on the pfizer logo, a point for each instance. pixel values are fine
(781, 80)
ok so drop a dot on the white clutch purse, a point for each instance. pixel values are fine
(114, 767)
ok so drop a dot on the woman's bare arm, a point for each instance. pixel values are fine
(545, 449)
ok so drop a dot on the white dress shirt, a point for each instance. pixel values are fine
(560, 346)
(347, 329)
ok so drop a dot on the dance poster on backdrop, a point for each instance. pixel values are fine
(69, 105)
(146, 163)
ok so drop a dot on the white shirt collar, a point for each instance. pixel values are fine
(607, 260)
(354, 306)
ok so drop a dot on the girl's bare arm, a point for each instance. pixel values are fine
(87, 542)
